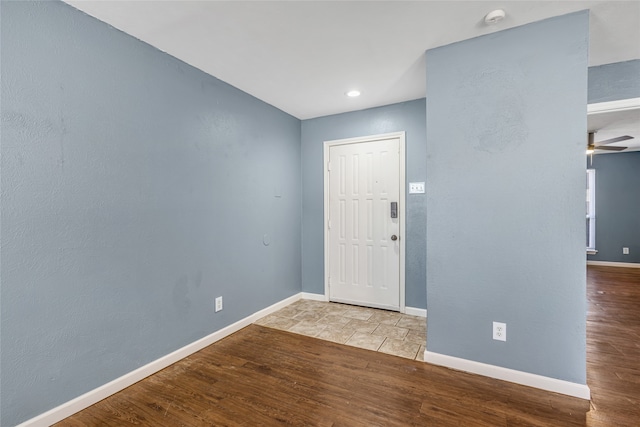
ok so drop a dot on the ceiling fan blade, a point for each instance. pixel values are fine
(610, 148)
(612, 140)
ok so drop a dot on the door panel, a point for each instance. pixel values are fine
(364, 262)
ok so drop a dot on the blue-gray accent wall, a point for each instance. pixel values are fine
(611, 82)
(617, 206)
(405, 116)
(135, 190)
(506, 127)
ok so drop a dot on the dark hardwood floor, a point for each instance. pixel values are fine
(266, 377)
(613, 345)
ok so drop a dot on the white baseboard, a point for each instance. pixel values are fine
(314, 297)
(84, 401)
(413, 311)
(615, 264)
(524, 378)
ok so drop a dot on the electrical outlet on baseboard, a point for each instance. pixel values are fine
(218, 304)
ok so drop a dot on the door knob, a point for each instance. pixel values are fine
(394, 237)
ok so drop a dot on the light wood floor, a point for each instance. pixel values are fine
(266, 377)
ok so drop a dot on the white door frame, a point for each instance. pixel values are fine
(401, 208)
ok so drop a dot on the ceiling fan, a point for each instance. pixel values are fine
(601, 145)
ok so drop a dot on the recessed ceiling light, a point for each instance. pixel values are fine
(353, 93)
(494, 17)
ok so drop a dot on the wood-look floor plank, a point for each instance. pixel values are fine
(266, 377)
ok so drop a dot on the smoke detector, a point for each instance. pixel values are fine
(494, 17)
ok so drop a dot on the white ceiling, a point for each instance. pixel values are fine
(302, 56)
(609, 125)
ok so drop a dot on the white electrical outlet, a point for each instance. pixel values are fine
(625, 251)
(218, 304)
(499, 331)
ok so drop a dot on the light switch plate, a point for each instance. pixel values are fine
(416, 188)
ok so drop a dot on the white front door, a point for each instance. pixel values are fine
(364, 233)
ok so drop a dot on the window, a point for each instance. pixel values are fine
(591, 211)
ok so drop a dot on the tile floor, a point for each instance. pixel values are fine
(378, 330)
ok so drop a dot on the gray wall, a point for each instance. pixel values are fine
(610, 82)
(505, 197)
(406, 116)
(135, 189)
(617, 206)
(617, 176)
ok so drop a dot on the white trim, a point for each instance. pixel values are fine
(591, 210)
(413, 311)
(403, 217)
(314, 297)
(84, 401)
(402, 202)
(580, 391)
(615, 264)
(612, 106)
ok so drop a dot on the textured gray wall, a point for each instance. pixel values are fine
(505, 197)
(135, 189)
(617, 206)
(406, 116)
(610, 82)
